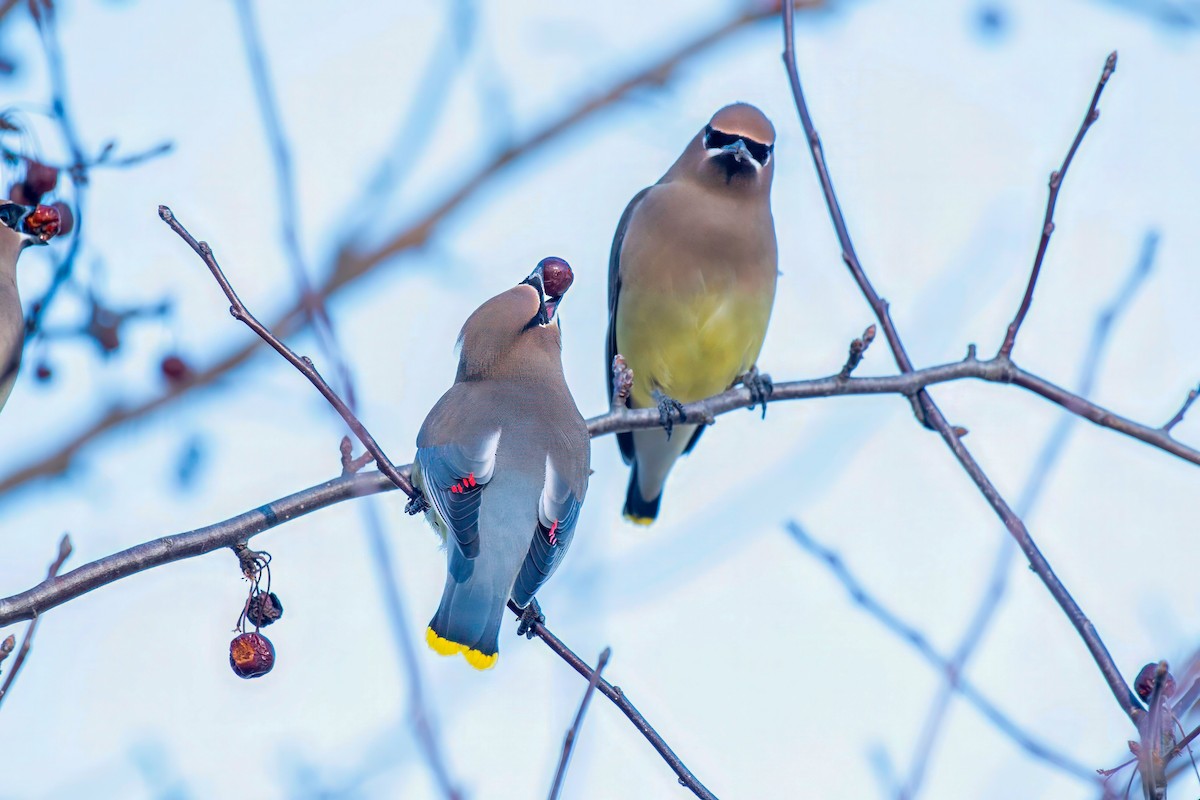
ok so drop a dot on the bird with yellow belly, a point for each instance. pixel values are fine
(691, 284)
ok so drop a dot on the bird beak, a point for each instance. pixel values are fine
(16, 216)
(740, 152)
(537, 280)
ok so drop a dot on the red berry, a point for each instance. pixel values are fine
(175, 369)
(66, 217)
(556, 276)
(43, 372)
(40, 178)
(44, 222)
(251, 655)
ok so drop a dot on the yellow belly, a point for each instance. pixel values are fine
(689, 347)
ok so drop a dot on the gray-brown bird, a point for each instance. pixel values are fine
(691, 282)
(15, 235)
(503, 459)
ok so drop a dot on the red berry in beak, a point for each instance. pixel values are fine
(251, 655)
(44, 222)
(556, 276)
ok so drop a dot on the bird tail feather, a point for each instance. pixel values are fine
(638, 509)
(463, 625)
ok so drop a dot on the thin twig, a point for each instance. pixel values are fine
(858, 349)
(619, 699)
(932, 416)
(64, 551)
(573, 731)
(302, 363)
(1052, 448)
(918, 641)
(1182, 412)
(351, 263)
(1056, 179)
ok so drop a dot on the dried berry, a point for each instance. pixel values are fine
(44, 222)
(40, 178)
(66, 217)
(175, 369)
(263, 609)
(556, 276)
(1144, 685)
(251, 655)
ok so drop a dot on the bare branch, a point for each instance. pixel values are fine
(573, 731)
(1179, 415)
(858, 349)
(64, 551)
(932, 416)
(1056, 179)
(52, 593)
(917, 640)
(619, 699)
(1052, 449)
(352, 264)
(302, 363)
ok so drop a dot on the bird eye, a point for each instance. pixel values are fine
(716, 138)
(760, 151)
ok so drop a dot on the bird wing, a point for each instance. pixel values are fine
(558, 511)
(453, 477)
(625, 440)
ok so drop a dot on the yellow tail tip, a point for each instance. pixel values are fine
(445, 647)
(637, 520)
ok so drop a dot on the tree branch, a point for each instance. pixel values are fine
(573, 731)
(64, 551)
(302, 363)
(1052, 449)
(917, 640)
(932, 416)
(1056, 179)
(619, 699)
(129, 562)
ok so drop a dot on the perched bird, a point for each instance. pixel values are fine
(16, 233)
(503, 459)
(691, 282)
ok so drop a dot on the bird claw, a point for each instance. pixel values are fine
(761, 388)
(670, 411)
(531, 615)
(417, 504)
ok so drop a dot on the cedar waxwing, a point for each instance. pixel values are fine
(15, 236)
(691, 281)
(503, 459)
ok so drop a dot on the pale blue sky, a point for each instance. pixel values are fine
(739, 647)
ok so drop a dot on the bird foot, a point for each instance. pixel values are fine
(761, 388)
(529, 616)
(670, 411)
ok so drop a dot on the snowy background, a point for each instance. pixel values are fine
(941, 122)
